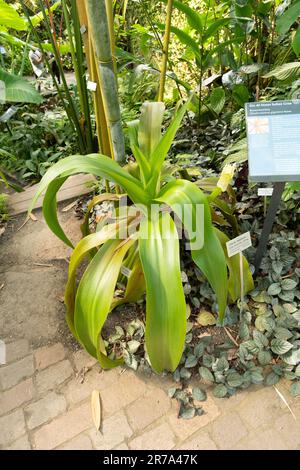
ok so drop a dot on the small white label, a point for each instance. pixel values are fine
(8, 113)
(125, 271)
(83, 29)
(265, 191)
(91, 85)
(2, 50)
(238, 244)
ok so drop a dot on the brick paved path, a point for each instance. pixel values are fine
(45, 386)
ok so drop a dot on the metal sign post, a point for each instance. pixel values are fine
(268, 224)
(273, 153)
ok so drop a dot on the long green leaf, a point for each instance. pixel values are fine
(96, 164)
(161, 150)
(185, 38)
(82, 249)
(184, 197)
(149, 129)
(94, 297)
(194, 19)
(165, 307)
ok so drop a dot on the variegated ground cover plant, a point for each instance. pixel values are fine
(150, 252)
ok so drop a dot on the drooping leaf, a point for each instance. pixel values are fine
(189, 204)
(17, 89)
(166, 308)
(94, 297)
(96, 164)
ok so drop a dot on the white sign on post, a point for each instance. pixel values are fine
(238, 244)
(265, 191)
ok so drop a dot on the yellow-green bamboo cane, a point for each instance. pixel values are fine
(98, 21)
(164, 65)
(102, 131)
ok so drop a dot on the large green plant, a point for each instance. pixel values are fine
(151, 252)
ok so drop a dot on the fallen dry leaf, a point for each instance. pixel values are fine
(96, 408)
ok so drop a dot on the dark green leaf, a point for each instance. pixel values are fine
(220, 391)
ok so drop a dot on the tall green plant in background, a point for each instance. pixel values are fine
(165, 51)
(151, 251)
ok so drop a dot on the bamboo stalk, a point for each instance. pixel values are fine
(166, 43)
(98, 21)
(87, 124)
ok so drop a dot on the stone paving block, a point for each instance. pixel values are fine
(147, 409)
(13, 373)
(44, 409)
(184, 428)
(122, 446)
(53, 376)
(63, 428)
(127, 389)
(289, 429)
(260, 408)
(114, 430)
(269, 439)
(76, 391)
(199, 441)
(16, 396)
(12, 427)
(81, 442)
(17, 350)
(49, 355)
(83, 359)
(20, 444)
(159, 438)
(228, 430)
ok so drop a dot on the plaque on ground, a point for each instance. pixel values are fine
(273, 132)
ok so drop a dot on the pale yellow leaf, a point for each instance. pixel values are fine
(96, 408)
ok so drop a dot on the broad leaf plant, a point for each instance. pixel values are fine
(150, 249)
